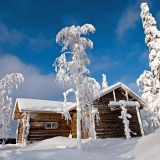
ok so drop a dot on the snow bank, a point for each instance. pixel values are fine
(62, 148)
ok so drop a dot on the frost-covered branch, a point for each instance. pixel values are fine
(149, 81)
(75, 71)
(65, 112)
(104, 81)
(6, 85)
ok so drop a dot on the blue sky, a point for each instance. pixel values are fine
(27, 41)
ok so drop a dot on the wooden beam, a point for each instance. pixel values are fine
(127, 95)
(140, 122)
(114, 95)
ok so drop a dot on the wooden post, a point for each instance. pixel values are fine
(114, 95)
(140, 122)
(127, 95)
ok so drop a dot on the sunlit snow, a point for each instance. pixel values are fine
(63, 148)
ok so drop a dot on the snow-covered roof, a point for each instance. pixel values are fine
(124, 87)
(36, 105)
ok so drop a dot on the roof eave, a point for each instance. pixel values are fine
(124, 87)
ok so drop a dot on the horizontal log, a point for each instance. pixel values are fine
(115, 134)
(114, 128)
(47, 131)
(110, 136)
(110, 133)
(109, 130)
(50, 120)
(47, 136)
(110, 127)
(106, 125)
(114, 118)
(60, 123)
(43, 124)
(48, 114)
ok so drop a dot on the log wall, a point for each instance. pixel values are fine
(110, 125)
(39, 132)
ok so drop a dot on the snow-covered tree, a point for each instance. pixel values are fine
(149, 81)
(104, 81)
(6, 85)
(75, 72)
(124, 116)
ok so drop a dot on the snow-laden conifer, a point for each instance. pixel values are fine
(149, 81)
(6, 85)
(104, 81)
(76, 73)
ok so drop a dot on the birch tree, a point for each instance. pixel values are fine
(76, 73)
(6, 85)
(149, 81)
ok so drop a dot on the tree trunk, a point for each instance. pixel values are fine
(79, 144)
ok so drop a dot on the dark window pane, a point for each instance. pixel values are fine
(48, 125)
(55, 125)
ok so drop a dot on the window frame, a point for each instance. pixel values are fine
(51, 125)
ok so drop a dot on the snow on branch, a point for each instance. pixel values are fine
(104, 81)
(11, 80)
(75, 71)
(149, 81)
(65, 112)
(6, 85)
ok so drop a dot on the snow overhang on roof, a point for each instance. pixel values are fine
(35, 105)
(125, 88)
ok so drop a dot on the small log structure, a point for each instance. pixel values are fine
(110, 125)
(36, 129)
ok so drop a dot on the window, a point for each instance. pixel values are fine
(51, 125)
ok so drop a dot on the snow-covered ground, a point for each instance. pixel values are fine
(62, 148)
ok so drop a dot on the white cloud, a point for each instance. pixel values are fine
(102, 62)
(13, 37)
(40, 43)
(133, 86)
(130, 17)
(129, 82)
(127, 21)
(35, 85)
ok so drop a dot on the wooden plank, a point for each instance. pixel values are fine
(47, 131)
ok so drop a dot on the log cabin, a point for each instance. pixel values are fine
(41, 119)
(110, 124)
